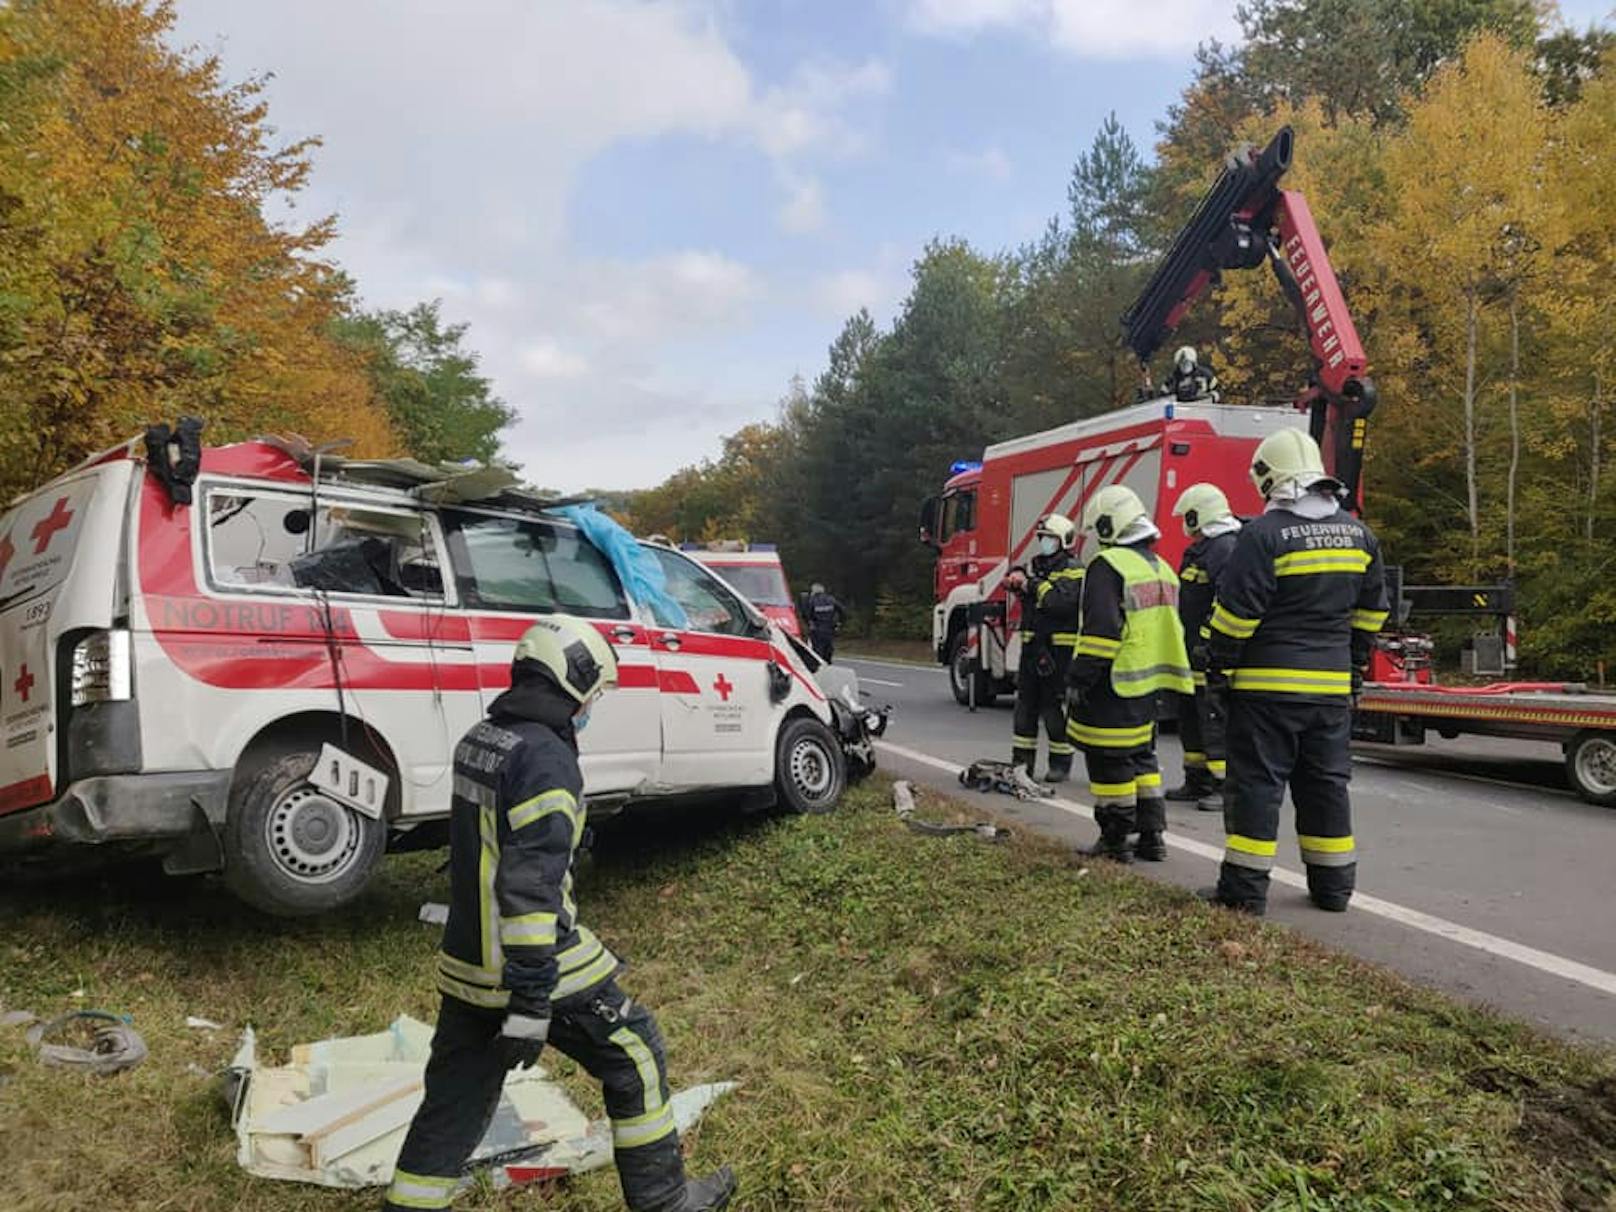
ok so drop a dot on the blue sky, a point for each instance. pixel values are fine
(653, 214)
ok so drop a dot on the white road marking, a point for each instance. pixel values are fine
(859, 660)
(1531, 957)
(879, 682)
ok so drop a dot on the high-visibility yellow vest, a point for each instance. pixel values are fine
(1152, 656)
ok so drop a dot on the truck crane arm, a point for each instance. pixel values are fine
(1244, 220)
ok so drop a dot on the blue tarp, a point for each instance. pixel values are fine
(639, 570)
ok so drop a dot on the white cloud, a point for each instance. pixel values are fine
(804, 211)
(454, 137)
(990, 162)
(1097, 29)
(878, 288)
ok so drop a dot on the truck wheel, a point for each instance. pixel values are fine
(810, 771)
(959, 677)
(291, 850)
(1591, 766)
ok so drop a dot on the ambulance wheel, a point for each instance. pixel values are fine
(291, 850)
(959, 676)
(1591, 766)
(810, 771)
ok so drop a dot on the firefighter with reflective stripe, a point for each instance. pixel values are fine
(1292, 628)
(1130, 647)
(1212, 527)
(1049, 592)
(516, 970)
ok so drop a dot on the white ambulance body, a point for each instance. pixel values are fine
(271, 680)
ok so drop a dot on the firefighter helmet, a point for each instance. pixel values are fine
(1287, 456)
(1199, 504)
(571, 653)
(1060, 527)
(1112, 510)
(1185, 359)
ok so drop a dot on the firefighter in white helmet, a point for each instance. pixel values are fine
(516, 969)
(1130, 647)
(1048, 588)
(1292, 629)
(1211, 527)
(1189, 380)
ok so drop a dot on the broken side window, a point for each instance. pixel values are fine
(267, 540)
(533, 566)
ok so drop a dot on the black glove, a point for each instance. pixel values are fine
(1045, 663)
(1200, 657)
(522, 1037)
(1217, 682)
(1357, 684)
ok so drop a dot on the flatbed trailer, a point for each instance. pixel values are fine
(1580, 720)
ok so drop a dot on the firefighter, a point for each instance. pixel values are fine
(516, 969)
(825, 615)
(1190, 380)
(1295, 618)
(1129, 647)
(1212, 528)
(1049, 592)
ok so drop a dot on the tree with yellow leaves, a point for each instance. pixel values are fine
(139, 277)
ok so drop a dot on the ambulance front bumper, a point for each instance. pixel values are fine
(121, 809)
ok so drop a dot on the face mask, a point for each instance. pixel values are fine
(581, 720)
(1048, 544)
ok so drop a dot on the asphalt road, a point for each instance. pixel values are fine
(1480, 872)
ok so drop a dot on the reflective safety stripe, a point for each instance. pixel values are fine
(1149, 782)
(528, 930)
(421, 1190)
(540, 806)
(644, 1129)
(1064, 639)
(487, 902)
(475, 995)
(1066, 574)
(468, 972)
(477, 793)
(1113, 793)
(1193, 573)
(1321, 559)
(1024, 742)
(1194, 758)
(1293, 681)
(1060, 749)
(1206, 631)
(1369, 620)
(1043, 588)
(1231, 624)
(1250, 852)
(586, 978)
(1149, 673)
(1217, 766)
(1198, 677)
(1098, 646)
(1328, 851)
(644, 1064)
(1110, 738)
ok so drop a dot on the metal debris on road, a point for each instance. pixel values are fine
(903, 801)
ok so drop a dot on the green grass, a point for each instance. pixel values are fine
(916, 651)
(918, 1023)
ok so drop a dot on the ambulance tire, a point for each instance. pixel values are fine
(810, 769)
(289, 850)
(959, 677)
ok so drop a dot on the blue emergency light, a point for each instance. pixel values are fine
(964, 465)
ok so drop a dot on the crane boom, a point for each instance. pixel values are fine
(1243, 221)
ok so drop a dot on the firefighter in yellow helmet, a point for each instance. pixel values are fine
(1048, 588)
(1212, 528)
(516, 969)
(1130, 647)
(1292, 629)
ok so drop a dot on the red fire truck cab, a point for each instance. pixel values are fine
(982, 523)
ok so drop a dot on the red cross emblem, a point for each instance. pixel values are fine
(45, 530)
(7, 550)
(724, 687)
(24, 683)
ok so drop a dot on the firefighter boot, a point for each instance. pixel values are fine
(1212, 801)
(653, 1178)
(1060, 768)
(1115, 823)
(1197, 784)
(1330, 888)
(1213, 895)
(1152, 820)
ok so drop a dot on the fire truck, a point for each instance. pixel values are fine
(981, 524)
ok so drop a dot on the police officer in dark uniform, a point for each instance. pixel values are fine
(516, 970)
(1049, 590)
(825, 615)
(1130, 647)
(1212, 527)
(1292, 630)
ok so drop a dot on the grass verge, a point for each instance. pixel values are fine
(917, 652)
(919, 1024)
